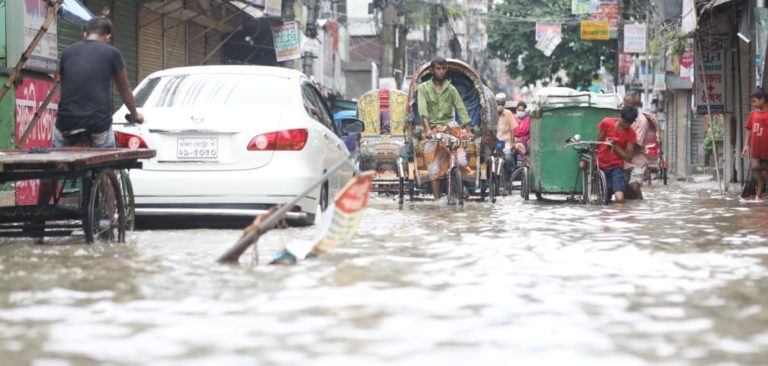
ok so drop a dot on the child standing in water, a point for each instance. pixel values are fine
(756, 140)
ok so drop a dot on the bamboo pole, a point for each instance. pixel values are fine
(38, 114)
(53, 9)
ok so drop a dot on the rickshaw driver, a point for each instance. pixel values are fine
(506, 131)
(437, 99)
(611, 158)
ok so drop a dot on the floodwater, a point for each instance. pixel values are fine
(678, 279)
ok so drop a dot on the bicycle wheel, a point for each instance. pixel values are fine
(516, 179)
(126, 188)
(502, 182)
(599, 189)
(490, 178)
(105, 212)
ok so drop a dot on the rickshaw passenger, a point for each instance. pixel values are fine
(523, 129)
(634, 170)
(611, 158)
(437, 99)
(507, 125)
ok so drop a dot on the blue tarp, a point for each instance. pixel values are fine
(74, 11)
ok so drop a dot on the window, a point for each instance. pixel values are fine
(315, 105)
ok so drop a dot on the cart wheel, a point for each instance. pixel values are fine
(664, 175)
(502, 183)
(599, 191)
(128, 200)
(525, 188)
(105, 212)
(401, 190)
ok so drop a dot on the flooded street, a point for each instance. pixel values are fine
(680, 278)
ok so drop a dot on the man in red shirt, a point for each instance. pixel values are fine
(610, 159)
(756, 140)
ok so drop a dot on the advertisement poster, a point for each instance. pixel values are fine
(625, 63)
(594, 30)
(761, 33)
(286, 39)
(45, 55)
(710, 83)
(635, 38)
(542, 28)
(548, 44)
(273, 8)
(609, 12)
(29, 96)
(686, 62)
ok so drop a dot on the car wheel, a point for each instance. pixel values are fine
(322, 204)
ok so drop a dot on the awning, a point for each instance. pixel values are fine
(74, 11)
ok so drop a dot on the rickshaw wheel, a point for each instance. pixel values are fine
(105, 211)
(455, 194)
(401, 190)
(490, 184)
(128, 200)
(664, 175)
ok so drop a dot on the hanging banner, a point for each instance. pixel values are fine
(609, 11)
(594, 30)
(710, 80)
(273, 8)
(686, 61)
(548, 44)
(542, 28)
(585, 6)
(635, 38)
(29, 97)
(286, 39)
(761, 34)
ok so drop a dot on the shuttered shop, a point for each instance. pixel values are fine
(174, 42)
(125, 38)
(150, 42)
(196, 49)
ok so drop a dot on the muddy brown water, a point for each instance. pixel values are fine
(678, 279)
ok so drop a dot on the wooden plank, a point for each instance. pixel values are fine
(70, 159)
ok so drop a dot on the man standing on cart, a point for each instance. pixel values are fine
(437, 99)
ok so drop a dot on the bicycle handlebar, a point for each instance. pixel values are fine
(588, 143)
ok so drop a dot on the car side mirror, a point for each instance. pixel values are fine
(352, 126)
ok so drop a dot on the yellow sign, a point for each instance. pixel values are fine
(597, 30)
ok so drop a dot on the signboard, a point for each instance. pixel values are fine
(548, 44)
(635, 38)
(625, 63)
(29, 96)
(286, 39)
(273, 8)
(660, 82)
(761, 34)
(594, 30)
(710, 80)
(585, 6)
(542, 28)
(686, 62)
(609, 12)
(689, 20)
(45, 56)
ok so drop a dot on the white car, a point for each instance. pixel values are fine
(233, 141)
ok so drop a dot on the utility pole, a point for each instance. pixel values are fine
(433, 31)
(288, 15)
(387, 39)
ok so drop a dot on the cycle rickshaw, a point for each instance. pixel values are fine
(558, 115)
(480, 104)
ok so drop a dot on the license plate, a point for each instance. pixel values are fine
(197, 148)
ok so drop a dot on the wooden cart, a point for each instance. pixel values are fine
(94, 192)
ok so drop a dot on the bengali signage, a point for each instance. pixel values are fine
(710, 77)
(596, 30)
(609, 12)
(635, 38)
(273, 8)
(585, 6)
(543, 28)
(45, 56)
(286, 40)
(548, 43)
(29, 96)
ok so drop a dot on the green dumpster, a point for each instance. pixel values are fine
(555, 167)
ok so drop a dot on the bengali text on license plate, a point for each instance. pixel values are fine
(197, 148)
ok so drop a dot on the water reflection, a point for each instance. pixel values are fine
(676, 279)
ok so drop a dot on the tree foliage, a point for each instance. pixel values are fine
(511, 37)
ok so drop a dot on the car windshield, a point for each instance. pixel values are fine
(213, 90)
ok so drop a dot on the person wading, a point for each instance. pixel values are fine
(437, 99)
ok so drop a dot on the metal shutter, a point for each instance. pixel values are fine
(124, 37)
(196, 47)
(174, 42)
(212, 41)
(150, 42)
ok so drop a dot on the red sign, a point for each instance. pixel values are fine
(29, 96)
(609, 12)
(625, 63)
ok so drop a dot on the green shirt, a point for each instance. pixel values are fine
(438, 107)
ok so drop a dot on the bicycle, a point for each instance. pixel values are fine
(519, 179)
(594, 186)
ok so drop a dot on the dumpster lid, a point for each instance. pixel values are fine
(557, 97)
